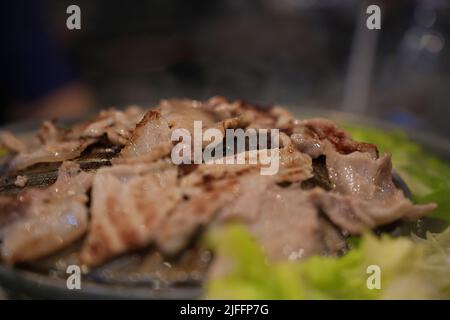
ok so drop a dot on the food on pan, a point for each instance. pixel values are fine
(109, 185)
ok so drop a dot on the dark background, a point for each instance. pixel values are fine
(293, 52)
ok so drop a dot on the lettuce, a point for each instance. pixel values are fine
(409, 269)
(3, 152)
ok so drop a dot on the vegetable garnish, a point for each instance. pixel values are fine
(408, 269)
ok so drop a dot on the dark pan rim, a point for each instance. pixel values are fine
(34, 285)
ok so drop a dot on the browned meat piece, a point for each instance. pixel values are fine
(332, 236)
(52, 218)
(309, 136)
(117, 125)
(359, 174)
(247, 204)
(127, 207)
(149, 141)
(55, 144)
(198, 210)
(11, 142)
(364, 195)
(11, 209)
(49, 133)
(231, 189)
(288, 225)
(294, 166)
(181, 114)
(327, 185)
(52, 152)
(284, 220)
(354, 215)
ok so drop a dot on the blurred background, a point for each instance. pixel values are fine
(305, 53)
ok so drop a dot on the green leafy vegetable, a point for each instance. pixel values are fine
(408, 270)
(3, 152)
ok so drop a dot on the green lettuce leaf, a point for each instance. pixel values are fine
(409, 269)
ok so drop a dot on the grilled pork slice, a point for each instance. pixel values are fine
(284, 220)
(11, 142)
(127, 207)
(53, 144)
(364, 195)
(198, 210)
(51, 152)
(117, 125)
(288, 225)
(151, 140)
(221, 192)
(51, 218)
(312, 135)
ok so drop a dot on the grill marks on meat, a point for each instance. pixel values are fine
(128, 204)
(327, 186)
(53, 144)
(311, 135)
(149, 141)
(152, 138)
(199, 210)
(51, 152)
(50, 219)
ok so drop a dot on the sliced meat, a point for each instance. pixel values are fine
(364, 195)
(11, 142)
(53, 217)
(52, 152)
(149, 141)
(198, 210)
(247, 205)
(116, 124)
(309, 136)
(181, 114)
(53, 144)
(127, 207)
(332, 237)
(288, 225)
(11, 210)
(293, 166)
(360, 175)
(283, 220)
(355, 215)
